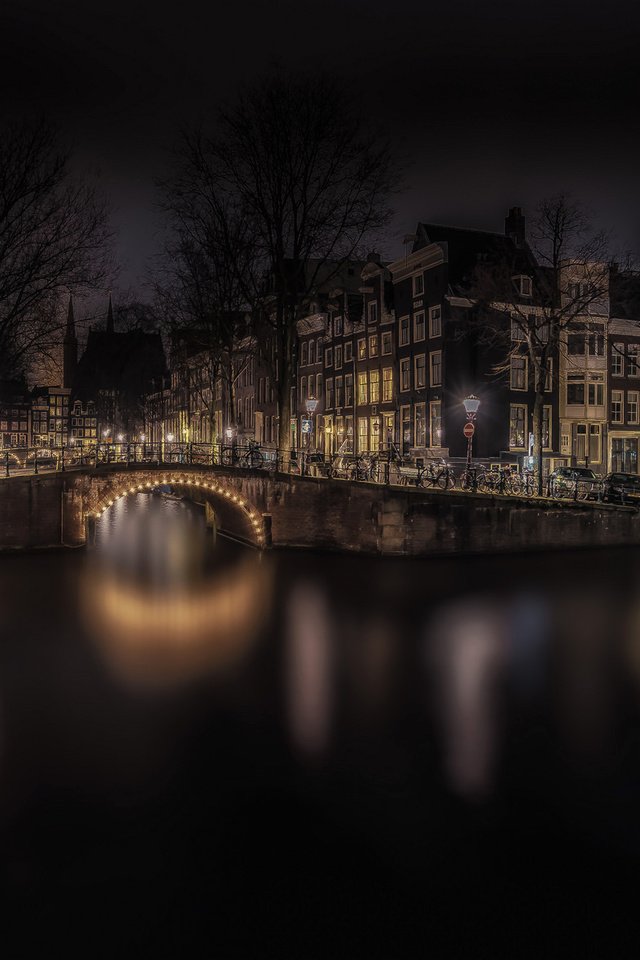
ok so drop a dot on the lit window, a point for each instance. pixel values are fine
(387, 384)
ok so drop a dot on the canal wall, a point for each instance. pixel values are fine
(311, 513)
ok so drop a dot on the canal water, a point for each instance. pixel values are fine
(209, 752)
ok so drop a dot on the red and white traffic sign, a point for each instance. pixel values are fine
(469, 430)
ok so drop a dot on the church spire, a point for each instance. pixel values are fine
(110, 328)
(69, 348)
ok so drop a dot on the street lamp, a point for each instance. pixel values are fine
(310, 403)
(471, 404)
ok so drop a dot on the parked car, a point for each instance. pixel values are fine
(578, 483)
(621, 488)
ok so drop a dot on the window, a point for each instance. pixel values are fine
(312, 351)
(595, 394)
(348, 390)
(338, 357)
(363, 436)
(575, 392)
(435, 321)
(387, 384)
(418, 285)
(373, 311)
(348, 352)
(337, 327)
(404, 331)
(518, 373)
(518, 324)
(517, 425)
(632, 360)
(575, 344)
(329, 396)
(595, 343)
(617, 360)
(303, 388)
(418, 327)
(339, 392)
(435, 424)
(548, 380)
(318, 384)
(328, 357)
(405, 374)
(616, 406)
(419, 371)
(362, 388)
(405, 428)
(420, 425)
(374, 386)
(579, 290)
(435, 366)
(542, 326)
(624, 455)
(373, 346)
(632, 406)
(386, 343)
(362, 349)
(523, 285)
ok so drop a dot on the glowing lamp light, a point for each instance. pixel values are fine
(471, 405)
(170, 437)
(120, 438)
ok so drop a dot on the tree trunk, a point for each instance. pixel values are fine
(284, 381)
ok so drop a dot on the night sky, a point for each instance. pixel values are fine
(495, 104)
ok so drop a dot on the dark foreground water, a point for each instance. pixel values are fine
(316, 756)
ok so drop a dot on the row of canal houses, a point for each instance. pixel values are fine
(382, 357)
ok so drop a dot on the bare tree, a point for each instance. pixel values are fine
(53, 237)
(529, 297)
(296, 186)
(204, 273)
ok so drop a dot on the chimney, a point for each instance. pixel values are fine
(514, 226)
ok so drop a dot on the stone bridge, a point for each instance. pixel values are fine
(272, 509)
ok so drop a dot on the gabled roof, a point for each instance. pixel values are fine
(466, 249)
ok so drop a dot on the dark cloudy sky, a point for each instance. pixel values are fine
(495, 103)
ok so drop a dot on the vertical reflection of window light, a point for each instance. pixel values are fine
(308, 668)
(467, 644)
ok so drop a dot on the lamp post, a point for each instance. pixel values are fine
(471, 404)
(310, 403)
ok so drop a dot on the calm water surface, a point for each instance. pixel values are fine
(208, 753)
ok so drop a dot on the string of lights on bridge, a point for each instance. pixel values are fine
(212, 487)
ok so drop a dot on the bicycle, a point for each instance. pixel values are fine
(437, 474)
(471, 478)
(360, 468)
(502, 480)
(253, 458)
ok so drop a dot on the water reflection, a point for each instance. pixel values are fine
(166, 601)
(443, 750)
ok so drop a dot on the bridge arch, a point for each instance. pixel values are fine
(217, 488)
